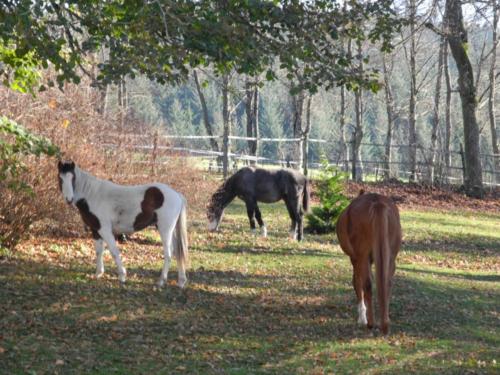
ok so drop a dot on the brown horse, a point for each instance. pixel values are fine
(369, 230)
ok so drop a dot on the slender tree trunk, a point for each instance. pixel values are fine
(343, 157)
(457, 39)
(122, 102)
(249, 114)
(298, 109)
(447, 112)
(255, 121)
(226, 142)
(491, 96)
(435, 114)
(305, 136)
(103, 100)
(206, 119)
(343, 152)
(412, 131)
(357, 167)
(389, 103)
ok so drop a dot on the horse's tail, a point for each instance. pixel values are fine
(306, 196)
(381, 255)
(181, 236)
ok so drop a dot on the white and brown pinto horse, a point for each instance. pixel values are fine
(109, 209)
(369, 231)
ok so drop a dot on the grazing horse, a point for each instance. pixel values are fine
(369, 231)
(254, 185)
(109, 209)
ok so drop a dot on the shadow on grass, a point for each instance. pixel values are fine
(458, 275)
(239, 248)
(52, 313)
(472, 246)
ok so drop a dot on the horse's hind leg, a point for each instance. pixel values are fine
(166, 226)
(295, 211)
(166, 239)
(368, 295)
(109, 238)
(291, 212)
(359, 279)
(258, 216)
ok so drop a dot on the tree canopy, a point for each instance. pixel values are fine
(163, 39)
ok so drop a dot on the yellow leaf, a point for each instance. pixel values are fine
(52, 104)
(65, 123)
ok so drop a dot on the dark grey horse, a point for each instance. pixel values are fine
(254, 185)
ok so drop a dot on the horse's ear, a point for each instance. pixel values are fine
(72, 165)
(59, 165)
(361, 192)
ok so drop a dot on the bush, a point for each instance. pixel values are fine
(18, 209)
(332, 200)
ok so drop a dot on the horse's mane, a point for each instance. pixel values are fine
(221, 193)
(87, 184)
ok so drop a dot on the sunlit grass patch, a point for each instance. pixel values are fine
(253, 305)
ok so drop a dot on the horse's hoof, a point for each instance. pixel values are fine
(254, 231)
(122, 277)
(160, 283)
(182, 283)
(98, 275)
(263, 232)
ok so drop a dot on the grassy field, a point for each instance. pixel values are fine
(254, 305)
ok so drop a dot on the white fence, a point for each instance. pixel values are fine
(155, 144)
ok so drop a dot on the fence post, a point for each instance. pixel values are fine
(153, 155)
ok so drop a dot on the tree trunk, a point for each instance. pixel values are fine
(357, 167)
(412, 131)
(249, 113)
(255, 121)
(447, 117)
(226, 142)
(343, 156)
(305, 136)
(389, 102)
(122, 102)
(206, 119)
(435, 115)
(457, 39)
(298, 109)
(491, 97)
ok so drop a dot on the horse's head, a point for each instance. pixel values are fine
(67, 179)
(214, 216)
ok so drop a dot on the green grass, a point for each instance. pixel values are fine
(254, 305)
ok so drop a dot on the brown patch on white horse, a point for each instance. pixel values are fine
(89, 218)
(153, 200)
(369, 231)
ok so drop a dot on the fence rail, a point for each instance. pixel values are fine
(154, 143)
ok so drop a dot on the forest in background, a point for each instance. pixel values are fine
(418, 56)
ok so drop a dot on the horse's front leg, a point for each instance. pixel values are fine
(250, 212)
(99, 249)
(258, 216)
(109, 238)
(300, 226)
